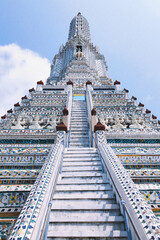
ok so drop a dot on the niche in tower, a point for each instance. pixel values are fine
(79, 48)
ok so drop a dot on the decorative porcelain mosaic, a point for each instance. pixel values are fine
(140, 159)
(12, 188)
(22, 159)
(50, 102)
(137, 150)
(152, 197)
(144, 172)
(24, 151)
(13, 199)
(27, 131)
(6, 228)
(30, 173)
(109, 100)
(27, 219)
(148, 186)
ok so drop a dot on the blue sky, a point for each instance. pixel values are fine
(126, 31)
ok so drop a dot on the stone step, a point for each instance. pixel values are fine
(84, 187)
(85, 227)
(79, 136)
(83, 150)
(76, 126)
(86, 156)
(83, 218)
(82, 174)
(75, 131)
(86, 235)
(78, 132)
(83, 120)
(71, 164)
(81, 155)
(72, 202)
(72, 205)
(80, 159)
(79, 128)
(85, 213)
(77, 123)
(78, 118)
(81, 181)
(78, 144)
(83, 195)
(79, 110)
(81, 168)
(78, 114)
(86, 149)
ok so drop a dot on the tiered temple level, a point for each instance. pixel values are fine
(35, 159)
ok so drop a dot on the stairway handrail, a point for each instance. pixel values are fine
(89, 103)
(89, 108)
(69, 105)
(136, 218)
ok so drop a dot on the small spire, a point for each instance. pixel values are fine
(79, 14)
(93, 112)
(154, 117)
(117, 83)
(88, 83)
(99, 126)
(61, 127)
(65, 111)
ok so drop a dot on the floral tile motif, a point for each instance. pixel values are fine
(152, 197)
(136, 150)
(13, 199)
(31, 173)
(6, 228)
(139, 159)
(13, 188)
(144, 172)
(19, 150)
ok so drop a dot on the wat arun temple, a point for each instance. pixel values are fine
(79, 156)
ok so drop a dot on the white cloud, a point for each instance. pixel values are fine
(20, 69)
(147, 99)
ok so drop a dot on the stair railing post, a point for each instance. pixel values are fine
(126, 219)
(47, 223)
(69, 102)
(89, 108)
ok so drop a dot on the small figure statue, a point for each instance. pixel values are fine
(35, 123)
(18, 123)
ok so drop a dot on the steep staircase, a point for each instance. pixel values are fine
(83, 206)
(79, 124)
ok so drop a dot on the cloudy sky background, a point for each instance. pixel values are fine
(126, 31)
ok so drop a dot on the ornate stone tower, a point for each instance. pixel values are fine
(79, 61)
(79, 158)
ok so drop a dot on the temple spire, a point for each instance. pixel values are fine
(79, 27)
